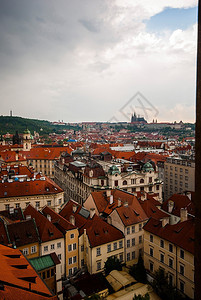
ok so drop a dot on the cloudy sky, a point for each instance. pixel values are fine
(83, 60)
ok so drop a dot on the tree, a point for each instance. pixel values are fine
(112, 263)
(140, 297)
(138, 271)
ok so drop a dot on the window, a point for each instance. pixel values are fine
(70, 271)
(49, 203)
(181, 170)
(52, 272)
(140, 239)
(150, 189)
(72, 236)
(140, 227)
(133, 242)
(151, 266)
(115, 246)
(162, 243)
(37, 204)
(133, 255)
(157, 187)
(151, 251)
(98, 251)
(133, 181)
(181, 269)
(181, 286)
(69, 248)
(109, 248)
(170, 262)
(25, 251)
(52, 247)
(48, 273)
(17, 205)
(162, 258)
(70, 261)
(74, 259)
(151, 238)
(45, 248)
(116, 183)
(33, 249)
(141, 188)
(182, 253)
(128, 257)
(7, 206)
(133, 229)
(59, 245)
(170, 248)
(60, 201)
(98, 265)
(186, 171)
(133, 190)
(120, 244)
(82, 248)
(128, 230)
(74, 246)
(82, 262)
(124, 182)
(128, 244)
(150, 179)
(170, 279)
(43, 275)
(141, 251)
(141, 180)
(121, 257)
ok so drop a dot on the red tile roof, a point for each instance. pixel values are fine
(18, 277)
(181, 234)
(29, 188)
(61, 223)
(47, 231)
(100, 232)
(180, 201)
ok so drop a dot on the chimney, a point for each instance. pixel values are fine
(16, 156)
(170, 206)
(11, 210)
(108, 193)
(183, 214)
(165, 221)
(126, 204)
(119, 202)
(111, 199)
(72, 220)
(92, 212)
(49, 218)
(74, 208)
(28, 217)
(188, 194)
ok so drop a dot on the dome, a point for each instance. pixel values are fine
(148, 167)
(27, 131)
(113, 170)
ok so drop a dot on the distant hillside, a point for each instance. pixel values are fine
(11, 124)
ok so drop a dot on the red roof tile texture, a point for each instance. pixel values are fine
(47, 231)
(180, 201)
(181, 234)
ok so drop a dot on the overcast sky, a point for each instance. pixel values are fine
(82, 60)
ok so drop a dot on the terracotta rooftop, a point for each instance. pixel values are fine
(180, 201)
(28, 188)
(47, 230)
(20, 281)
(181, 234)
(61, 223)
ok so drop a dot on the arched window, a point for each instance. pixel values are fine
(141, 180)
(124, 182)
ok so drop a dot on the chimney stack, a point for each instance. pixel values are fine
(183, 214)
(108, 193)
(111, 199)
(74, 208)
(49, 218)
(126, 204)
(165, 221)
(92, 212)
(72, 220)
(119, 202)
(170, 206)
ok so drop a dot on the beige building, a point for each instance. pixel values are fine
(179, 176)
(20, 186)
(98, 240)
(122, 210)
(171, 248)
(71, 235)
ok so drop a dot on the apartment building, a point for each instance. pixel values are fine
(179, 176)
(21, 186)
(98, 240)
(171, 248)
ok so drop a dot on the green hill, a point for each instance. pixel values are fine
(11, 124)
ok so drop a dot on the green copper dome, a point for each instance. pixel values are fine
(27, 131)
(113, 170)
(148, 167)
